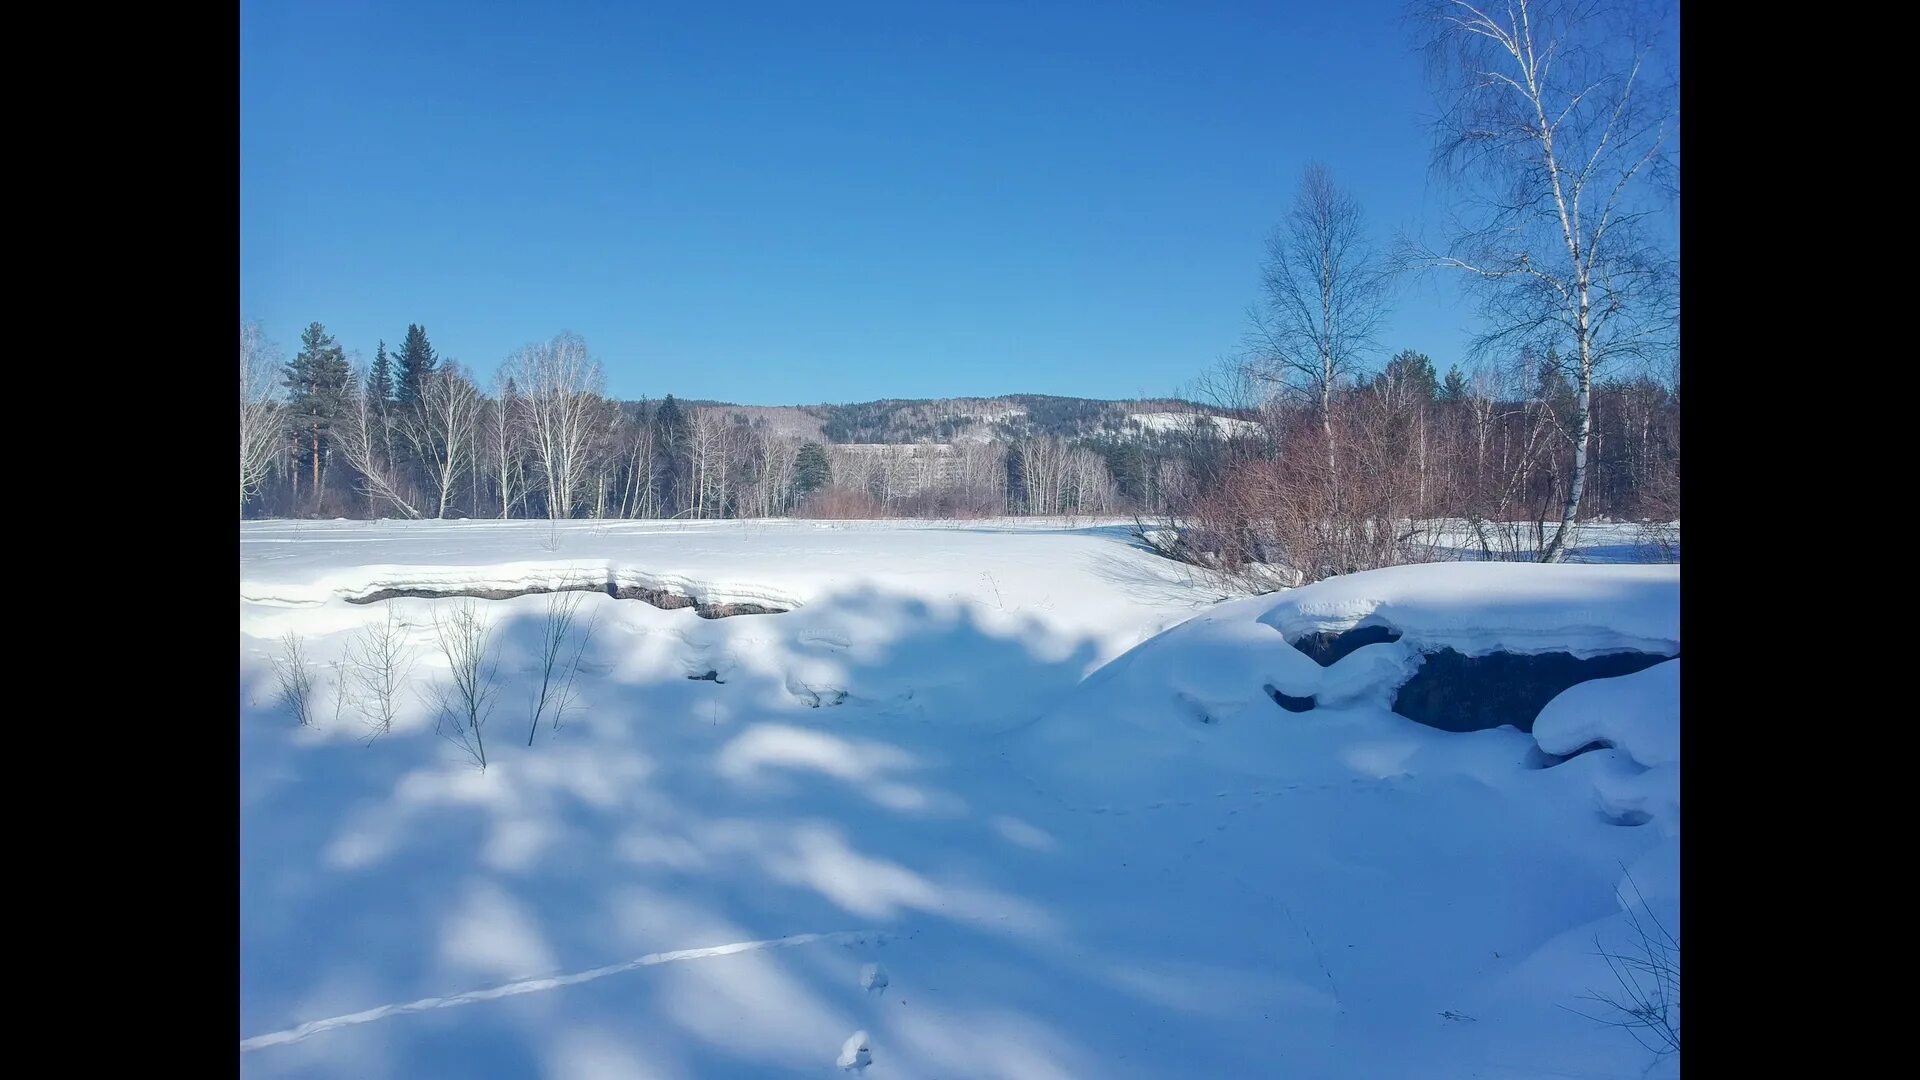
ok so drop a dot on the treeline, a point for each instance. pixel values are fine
(413, 436)
(1403, 466)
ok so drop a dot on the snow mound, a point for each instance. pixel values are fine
(1637, 714)
(1220, 663)
(854, 1054)
(1228, 689)
(1637, 780)
(1485, 607)
(1239, 654)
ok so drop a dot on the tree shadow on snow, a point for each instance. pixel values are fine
(850, 770)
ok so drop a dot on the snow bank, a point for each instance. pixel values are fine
(1636, 780)
(1235, 656)
(1479, 608)
(1082, 579)
(1219, 665)
(1638, 714)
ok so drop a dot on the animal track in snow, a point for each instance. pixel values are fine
(816, 695)
(554, 982)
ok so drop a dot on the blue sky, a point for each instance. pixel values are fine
(778, 203)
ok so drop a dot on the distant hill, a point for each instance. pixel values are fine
(948, 420)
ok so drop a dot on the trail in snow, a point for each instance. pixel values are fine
(552, 982)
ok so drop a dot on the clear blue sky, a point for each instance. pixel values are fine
(778, 203)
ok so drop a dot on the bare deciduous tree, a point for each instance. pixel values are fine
(467, 701)
(260, 413)
(442, 426)
(773, 462)
(503, 444)
(362, 441)
(707, 458)
(1324, 294)
(1646, 1003)
(562, 415)
(642, 495)
(379, 661)
(295, 678)
(1555, 120)
(559, 666)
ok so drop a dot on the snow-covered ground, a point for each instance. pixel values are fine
(987, 801)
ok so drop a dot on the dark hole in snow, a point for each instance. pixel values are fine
(1326, 649)
(1289, 702)
(1539, 759)
(660, 598)
(1454, 692)
(708, 676)
(1628, 818)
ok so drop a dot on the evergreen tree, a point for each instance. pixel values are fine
(812, 470)
(1555, 390)
(416, 363)
(1408, 379)
(318, 382)
(380, 378)
(1454, 390)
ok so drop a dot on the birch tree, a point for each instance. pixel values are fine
(442, 425)
(363, 443)
(642, 498)
(1558, 120)
(561, 415)
(504, 446)
(260, 421)
(1324, 293)
(710, 448)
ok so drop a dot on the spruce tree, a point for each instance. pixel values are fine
(380, 378)
(812, 470)
(416, 363)
(1455, 388)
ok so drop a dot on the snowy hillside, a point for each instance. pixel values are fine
(1162, 422)
(1004, 799)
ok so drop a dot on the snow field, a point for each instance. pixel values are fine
(1056, 866)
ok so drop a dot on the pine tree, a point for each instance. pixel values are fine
(380, 378)
(1408, 379)
(318, 381)
(1454, 390)
(416, 363)
(812, 471)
